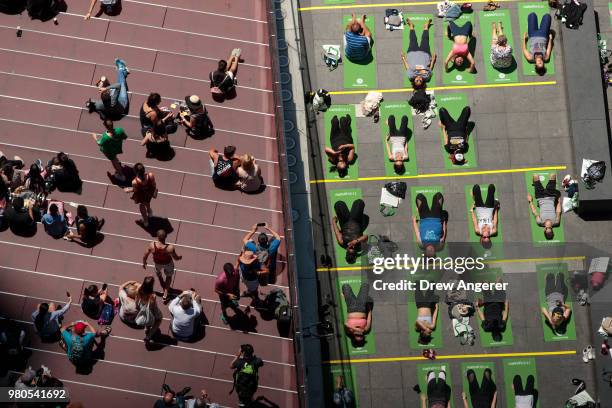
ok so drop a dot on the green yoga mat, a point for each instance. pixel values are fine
(360, 75)
(537, 232)
(398, 108)
(423, 369)
(461, 75)
(486, 339)
(413, 335)
(419, 20)
(454, 104)
(542, 271)
(486, 20)
(340, 110)
(345, 370)
(518, 366)
(497, 250)
(479, 368)
(370, 344)
(610, 12)
(524, 9)
(348, 196)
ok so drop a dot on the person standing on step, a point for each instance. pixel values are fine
(164, 256)
(143, 190)
(111, 144)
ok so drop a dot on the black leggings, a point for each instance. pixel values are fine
(438, 391)
(436, 206)
(549, 191)
(455, 127)
(529, 386)
(413, 45)
(425, 298)
(556, 283)
(356, 213)
(481, 395)
(341, 129)
(359, 303)
(490, 202)
(403, 130)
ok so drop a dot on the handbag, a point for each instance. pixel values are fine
(145, 316)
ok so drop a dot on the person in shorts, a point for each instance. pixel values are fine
(250, 271)
(227, 286)
(164, 256)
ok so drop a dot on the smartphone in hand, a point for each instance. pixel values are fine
(261, 224)
(67, 293)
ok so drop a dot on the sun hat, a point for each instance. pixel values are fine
(193, 102)
(248, 257)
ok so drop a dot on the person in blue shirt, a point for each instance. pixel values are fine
(55, 223)
(357, 40)
(265, 248)
(430, 230)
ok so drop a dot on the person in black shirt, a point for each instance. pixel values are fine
(349, 233)
(455, 134)
(493, 311)
(93, 300)
(246, 366)
(342, 151)
(20, 219)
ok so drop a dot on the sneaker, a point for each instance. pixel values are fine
(120, 64)
(224, 319)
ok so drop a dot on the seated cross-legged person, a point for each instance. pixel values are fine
(430, 230)
(224, 166)
(20, 219)
(484, 214)
(358, 40)
(54, 222)
(223, 79)
(186, 310)
(418, 60)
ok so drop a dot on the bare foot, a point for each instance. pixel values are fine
(410, 24)
(363, 19)
(428, 24)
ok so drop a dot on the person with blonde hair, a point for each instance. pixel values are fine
(501, 52)
(249, 174)
(149, 316)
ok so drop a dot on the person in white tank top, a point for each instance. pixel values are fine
(484, 214)
(397, 143)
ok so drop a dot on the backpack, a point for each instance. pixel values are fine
(107, 315)
(77, 353)
(321, 100)
(393, 18)
(246, 381)
(277, 300)
(331, 58)
(420, 100)
(571, 13)
(203, 126)
(594, 173)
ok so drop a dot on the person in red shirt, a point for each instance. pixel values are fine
(227, 287)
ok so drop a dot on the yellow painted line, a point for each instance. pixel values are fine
(453, 357)
(493, 261)
(434, 175)
(414, 3)
(448, 88)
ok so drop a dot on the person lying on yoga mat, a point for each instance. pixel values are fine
(397, 143)
(549, 203)
(418, 60)
(358, 313)
(342, 151)
(430, 230)
(357, 40)
(538, 42)
(493, 311)
(427, 314)
(438, 391)
(501, 51)
(557, 312)
(455, 134)
(461, 37)
(484, 214)
(483, 395)
(523, 397)
(349, 227)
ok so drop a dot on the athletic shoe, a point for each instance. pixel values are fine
(120, 64)
(224, 319)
